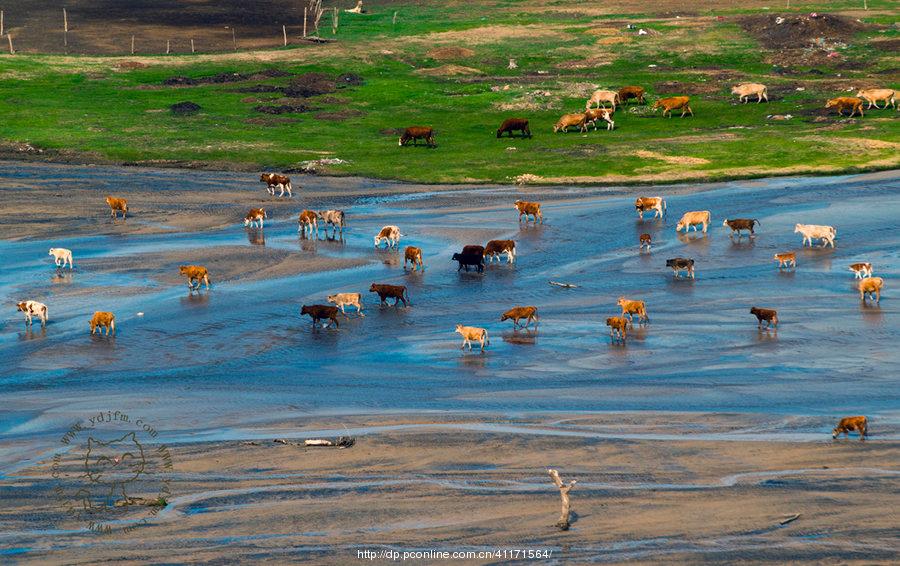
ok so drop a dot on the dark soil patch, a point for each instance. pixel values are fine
(271, 121)
(675, 88)
(185, 108)
(222, 78)
(131, 65)
(339, 115)
(350, 79)
(333, 100)
(310, 84)
(799, 31)
(886, 45)
(283, 109)
(260, 88)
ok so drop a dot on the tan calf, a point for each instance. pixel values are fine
(746, 90)
(567, 121)
(116, 205)
(518, 313)
(874, 95)
(102, 319)
(646, 240)
(870, 286)
(472, 334)
(848, 424)
(631, 308)
(603, 97)
(342, 300)
(692, 220)
(61, 256)
(196, 273)
(786, 259)
(842, 103)
(527, 209)
(413, 255)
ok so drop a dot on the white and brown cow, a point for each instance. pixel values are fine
(255, 216)
(333, 218)
(645, 204)
(496, 248)
(389, 234)
(816, 232)
(32, 309)
(308, 223)
(274, 180)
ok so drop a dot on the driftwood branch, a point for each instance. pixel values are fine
(339, 442)
(563, 523)
(789, 519)
(564, 285)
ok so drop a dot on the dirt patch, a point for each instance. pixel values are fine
(450, 53)
(339, 115)
(791, 31)
(185, 108)
(673, 88)
(886, 45)
(498, 33)
(128, 65)
(391, 131)
(260, 88)
(449, 71)
(226, 77)
(863, 143)
(310, 84)
(587, 63)
(270, 121)
(671, 159)
(295, 108)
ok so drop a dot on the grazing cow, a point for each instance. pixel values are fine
(646, 241)
(618, 328)
(680, 264)
(416, 133)
(817, 232)
(626, 93)
(692, 220)
(61, 256)
(656, 204)
(591, 117)
(333, 218)
(465, 259)
(496, 248)
(514, 125)
(116, 205)
(631, 308)
(768, 315)
(746, 90)
(518, 313)
(527, 209)
(196, 273)
(472, 334)
(33, 308)
(861, 270)
(850, 103)
(321, 312)
(739, 224)
(567, 121)
(871, 286)
(347, 299)
(848, 424)
(389, 234)
(396, 292)
(413, 255)
(102, 319)
(255, 216)
(602, 98)
(308, 223)
(274, 180)
(785, 259)
(682, 103)
(873, 95)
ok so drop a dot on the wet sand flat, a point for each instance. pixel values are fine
(689, 442)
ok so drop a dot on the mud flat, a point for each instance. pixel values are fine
(691, 443)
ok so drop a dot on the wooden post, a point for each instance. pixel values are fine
(167, 47)
(304, 21)
(192, 46)
(284, 33)
(563, 523)
(132, 45)
(394, 19)
(233, 39)
(334, 21)
(11, 50)
(65, 28)
(1, 23)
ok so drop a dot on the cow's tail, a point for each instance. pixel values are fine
(487, 339)
(406, 294)
(44, 312)
(758, 223)
(665, 207)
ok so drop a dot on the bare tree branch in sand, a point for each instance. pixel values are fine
(564, 489)
(315, 11)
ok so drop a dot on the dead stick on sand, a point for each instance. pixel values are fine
(790, 519)
(564, 285)
(563, 523)
(284, 33)
(11, 50)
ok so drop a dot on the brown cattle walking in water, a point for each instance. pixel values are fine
(646, 241)
(416, 133)
(514, 125)
(116, 205)
(768, 315)
(274, 180)
(308, 223)
(496, 248)
(102, 319)
(618, 328)
(396, 292)
(739, 224)
(869, 287)
(518, 313)
(413, 255)
(472, 334)
(680, 264)
(848, 424)
(786, 259)
(321, 312)
(527, 209)
(631, 308)
(196, 273)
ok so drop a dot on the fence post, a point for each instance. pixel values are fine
(233, 39)
(167, 47)
(1, 23)
(304, 21)
(284, 33)
(192, 46)
(11, 50)
(334, 21)
(65, 28)
(132, 45)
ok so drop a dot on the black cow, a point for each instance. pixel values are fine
(467, 259)
(320, 312)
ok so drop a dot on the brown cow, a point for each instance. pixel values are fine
(413, 255)
(518, 313)
(870, 286)
(115, 205)
(496, 248)
(321, 312)
(618, 328)
(768, 315)
(656, 204)
(842, 103)
(255, 216)
(308, 223)
(785, 259)
(527, 209)
(102, 319)
(416, 133)
(567, 121)
(273, 180)
(847, 424)
(646, 241)
(631, 308)
(472, 334)
(396, 292)
(861, 270)
(628, 92)
(682, 103)
(739, 224)
(514, 125)
(196, 273)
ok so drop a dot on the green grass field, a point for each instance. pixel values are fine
(90, 109)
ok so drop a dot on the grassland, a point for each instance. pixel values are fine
(97, 109)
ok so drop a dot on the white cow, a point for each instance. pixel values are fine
(692, 220)
(33, 308)
(61, 256)
(817, 232)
